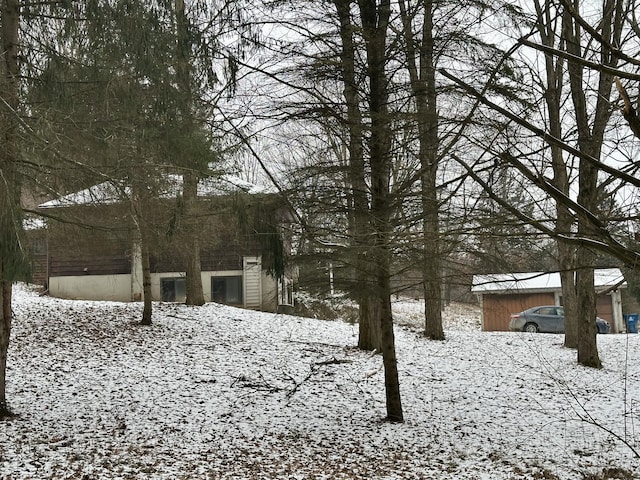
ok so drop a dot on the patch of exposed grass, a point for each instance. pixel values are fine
(613, 473)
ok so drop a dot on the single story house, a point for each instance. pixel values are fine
(89, 247)
(501, 295)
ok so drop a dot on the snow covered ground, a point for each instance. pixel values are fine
(215, 392)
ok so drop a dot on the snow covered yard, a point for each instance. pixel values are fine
(217, 392)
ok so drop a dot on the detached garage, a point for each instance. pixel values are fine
(501, 295)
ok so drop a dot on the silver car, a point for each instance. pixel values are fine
(546, 319)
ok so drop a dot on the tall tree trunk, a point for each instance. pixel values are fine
(590, 140)
(369, 313)
(193, 267)
(139, 206)
(369, 337)
(193, 272)
(375, 19)
(147, 309)
(5, 334)
(586, 305)
(566, 261)
(10, 252)
(389, 358)
(420, 64)
(548, 26)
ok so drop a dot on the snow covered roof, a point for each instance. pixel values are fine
(114, 192)
(103, 193)
(212, 186)
(539, 281)
(34, 223)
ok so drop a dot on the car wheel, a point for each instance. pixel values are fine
(531, 328)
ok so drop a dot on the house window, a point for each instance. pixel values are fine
(227, 290)
(173, 289)
(285, 287)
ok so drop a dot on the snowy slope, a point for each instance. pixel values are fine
(216, 392)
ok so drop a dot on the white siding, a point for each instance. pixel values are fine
(92, 287)
(252, 267)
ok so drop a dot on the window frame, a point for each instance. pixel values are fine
(176, 297)
(226, 278)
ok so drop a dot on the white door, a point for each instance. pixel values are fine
(252, 272)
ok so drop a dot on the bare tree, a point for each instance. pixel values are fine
(592, 57)
(11, 255)
(420, 63)
(362, 122)
(549, 26)
(591, 129)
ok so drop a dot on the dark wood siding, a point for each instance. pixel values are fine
(39, 275)
(497, 309)
(211, 260)
(37, 241)
(224, 260)
(91, 265)
(98, 240)
(604, 308)
(76, 249)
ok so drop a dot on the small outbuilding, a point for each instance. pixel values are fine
(500, 295)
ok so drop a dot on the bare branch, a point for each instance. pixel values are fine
(582, 61)
(628, 112)
(541, 133)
